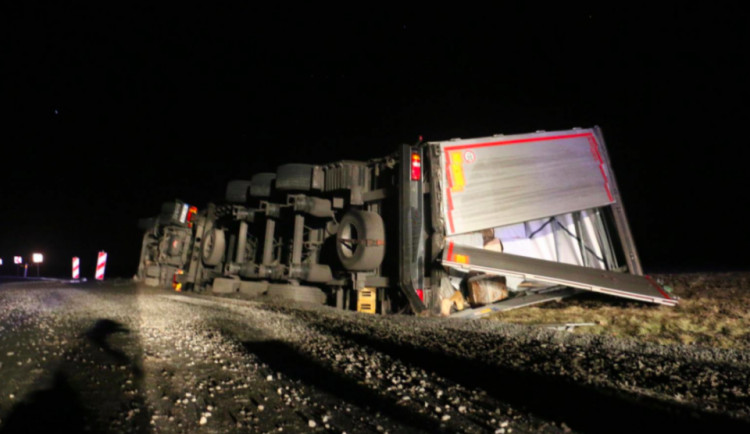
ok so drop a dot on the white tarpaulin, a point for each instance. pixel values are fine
(556, 239)
(553, 239)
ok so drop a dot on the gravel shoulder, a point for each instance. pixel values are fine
(117, 357)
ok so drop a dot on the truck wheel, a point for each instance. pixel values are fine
(360, 240)
(237, 191)
(294, 177)
(261, 184)
(213, 247)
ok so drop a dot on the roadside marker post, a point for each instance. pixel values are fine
(37, 258)
(101, 263)
(76, 268)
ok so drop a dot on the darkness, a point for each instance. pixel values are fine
(107, 111)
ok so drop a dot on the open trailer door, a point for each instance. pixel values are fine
(501, 181)
(625, 285)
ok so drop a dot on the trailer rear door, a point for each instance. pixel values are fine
(502, 180)
(607, 282)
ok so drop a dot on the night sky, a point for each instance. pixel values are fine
(109, 111)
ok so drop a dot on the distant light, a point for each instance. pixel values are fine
(17, 260)
(37, 258)
(1, 261)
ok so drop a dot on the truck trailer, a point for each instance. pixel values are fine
(460, 227)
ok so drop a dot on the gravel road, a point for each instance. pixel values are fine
(118, 357)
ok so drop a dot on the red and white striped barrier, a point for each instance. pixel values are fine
(101, 262)
(76, 267)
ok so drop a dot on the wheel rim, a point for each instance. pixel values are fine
(348, 240)
(208, 245)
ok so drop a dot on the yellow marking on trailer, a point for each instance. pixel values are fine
(462, 259)
(457, 172)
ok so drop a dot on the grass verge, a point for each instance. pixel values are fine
(714, 311)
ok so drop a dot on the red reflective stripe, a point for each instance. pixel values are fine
(597, 156)
(590, 136)
(514, 142)
(658, 287)
(450, 251)
(450, 211)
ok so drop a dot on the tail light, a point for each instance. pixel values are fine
(176, 284)
(191, 213)
(420, 294)
(416, 167)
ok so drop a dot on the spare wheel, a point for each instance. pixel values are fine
(360, 240)
(213, 247)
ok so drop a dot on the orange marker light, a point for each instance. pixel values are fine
(462, 259)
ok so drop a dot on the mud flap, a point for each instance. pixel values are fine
(625, 285)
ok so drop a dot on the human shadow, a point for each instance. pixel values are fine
(54, 409)
(99, 333)
(86, 391)
(285, 359)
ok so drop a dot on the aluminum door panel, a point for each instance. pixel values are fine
(499, 181)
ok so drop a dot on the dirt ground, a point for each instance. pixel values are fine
(714, 311)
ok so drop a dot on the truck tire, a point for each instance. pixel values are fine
(212, 250)
(294, 177)
(360, 240)
(261, 184)
(237, 191)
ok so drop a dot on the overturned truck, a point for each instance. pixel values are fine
(462, 227)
